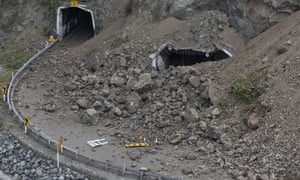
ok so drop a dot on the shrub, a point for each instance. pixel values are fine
(245, 89)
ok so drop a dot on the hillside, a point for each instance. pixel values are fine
(236, 118)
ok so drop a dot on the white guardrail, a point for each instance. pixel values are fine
(48, 141)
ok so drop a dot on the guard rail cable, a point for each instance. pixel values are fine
(41, 137)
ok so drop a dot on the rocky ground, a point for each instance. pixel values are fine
(107, 88)
(19, 163)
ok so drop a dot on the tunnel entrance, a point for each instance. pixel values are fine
(168, 55)
(76, 23)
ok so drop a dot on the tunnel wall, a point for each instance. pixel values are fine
(67, 20)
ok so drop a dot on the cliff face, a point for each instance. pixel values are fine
(248, 17)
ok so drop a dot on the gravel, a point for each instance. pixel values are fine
(21, 163)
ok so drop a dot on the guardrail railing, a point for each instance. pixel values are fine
(51, 143)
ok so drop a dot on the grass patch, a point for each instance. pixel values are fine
(13, 56)
(246, 90)
(4, 77)
(11, 2)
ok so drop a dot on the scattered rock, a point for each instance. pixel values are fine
(176, 139)
(133, 102)
(203, 125)
(144, 83)
(187, 171)
(91, 112)
(195, 81)
(75, 108)
(50, 107)
(117, 111)
(90, 117)
(253, 121)
(82, 103)
(189, 156)
(117, 80)
(215, 112)
(144, 169)
(214, 132)
(191, 115)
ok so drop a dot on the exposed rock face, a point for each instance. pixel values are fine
(248, 17)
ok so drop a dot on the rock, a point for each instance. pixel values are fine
(162, 124)
(191, 115)
(144, 83)
(50, 107)
(20, 28)
(203, 125)
(215, 112)
(263, 177)
(253, 121)
(192, 140)
(92, 112)
(195, 81)
(226, 140)
(39, 172)
(131, 82)
(82, 103)
(187, 171)
(90, 117)
(189, 156)
(75, 108)
(117, 80)
(133, 102)
(108, 105)
(92, 79)
(99, 106)
(210, 147)
(94, 63)
(104, 92)
(214, 132)
(176, 139)
(144, 169)
(123, 62)
(117, 111)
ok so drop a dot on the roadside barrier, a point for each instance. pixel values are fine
(66, 151)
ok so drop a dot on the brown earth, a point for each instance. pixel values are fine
(227, 139)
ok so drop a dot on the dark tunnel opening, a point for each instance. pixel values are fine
(76, 24)
(187, 57)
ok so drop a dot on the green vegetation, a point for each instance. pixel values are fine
(11, 2)
(4, 77)
(47, 31)
(51, 7)
(245, 89)
(49, 16)
(12, 56)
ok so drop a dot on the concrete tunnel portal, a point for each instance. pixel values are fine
(75, 22)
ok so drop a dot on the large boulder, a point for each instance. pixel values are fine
(90, 117)
(144, 84)
(133, 102)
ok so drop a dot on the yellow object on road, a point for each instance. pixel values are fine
(130, 145)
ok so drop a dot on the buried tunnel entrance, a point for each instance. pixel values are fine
(170, 56)
(76, 23)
